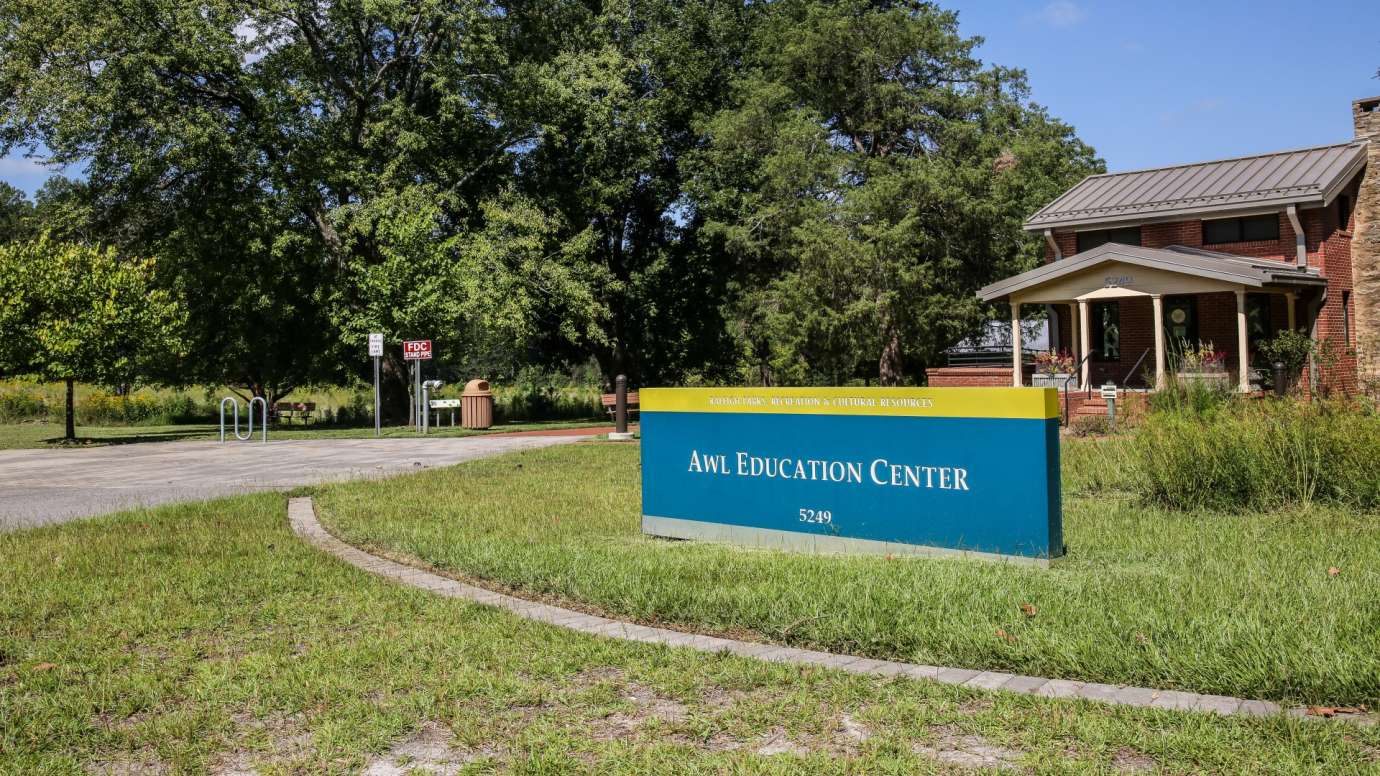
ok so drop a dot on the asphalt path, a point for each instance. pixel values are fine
(44, 486)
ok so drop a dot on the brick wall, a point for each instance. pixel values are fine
(969, 376)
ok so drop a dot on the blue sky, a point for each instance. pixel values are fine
(1155, 83)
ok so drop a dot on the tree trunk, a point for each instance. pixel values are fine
(889, 366)
(71, 411)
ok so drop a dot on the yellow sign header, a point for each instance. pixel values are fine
(1036, 403)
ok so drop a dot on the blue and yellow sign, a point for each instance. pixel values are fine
(887, 470)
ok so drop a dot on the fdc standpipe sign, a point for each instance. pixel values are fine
(885, 470)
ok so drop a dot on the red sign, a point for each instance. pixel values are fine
(414, 350)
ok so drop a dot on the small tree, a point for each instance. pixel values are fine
(73, 312)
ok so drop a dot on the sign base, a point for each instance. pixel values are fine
(816, 544)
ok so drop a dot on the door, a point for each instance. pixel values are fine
(1180, 326)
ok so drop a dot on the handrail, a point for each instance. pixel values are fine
(1127, 379)
(1077, 372)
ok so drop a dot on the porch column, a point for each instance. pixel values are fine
(1075, 347)
(1158, 302)
(1243, 358)
(1016, 344)
(1290, 300)
(1084, 344)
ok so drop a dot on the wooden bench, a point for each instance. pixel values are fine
(610, 402)
(285, 411)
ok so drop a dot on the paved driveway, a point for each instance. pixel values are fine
(54, 486)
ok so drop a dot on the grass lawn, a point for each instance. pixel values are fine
(1236, 604)
(206, 638)
(29, 435)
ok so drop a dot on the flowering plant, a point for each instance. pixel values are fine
(1048, 362)
(1202, 357)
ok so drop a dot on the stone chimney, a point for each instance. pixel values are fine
(1365, 244)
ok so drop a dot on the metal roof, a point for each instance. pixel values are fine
(1308, 176)
(1175, 258)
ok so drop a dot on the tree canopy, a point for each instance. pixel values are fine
(790, 192)
(71, 312)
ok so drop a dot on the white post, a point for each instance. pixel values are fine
(1159, 340)
(1291, 301)
(1243, 358)
(1085, 343)
(1016, 375)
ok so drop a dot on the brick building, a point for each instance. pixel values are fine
(1142, 264)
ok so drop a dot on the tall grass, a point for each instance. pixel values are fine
(1259, 455)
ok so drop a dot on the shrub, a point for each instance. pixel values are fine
(101, 408)
(21, 404)
(1089, 425)
(1260, 454)
(1194, 397)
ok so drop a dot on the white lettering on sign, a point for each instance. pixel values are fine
(880, 471)
(416, 349)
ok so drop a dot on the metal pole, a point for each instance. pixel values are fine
(620, 409)
(417, 395)
(620, 391)
(376, 396)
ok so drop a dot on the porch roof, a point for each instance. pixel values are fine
(1178, 259)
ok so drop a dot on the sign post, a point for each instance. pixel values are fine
(1108, 393)
(376, 350)
(417, 351)
(903, 471)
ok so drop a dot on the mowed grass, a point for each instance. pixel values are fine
(16, 436)
(207, 638)
(1236, 604)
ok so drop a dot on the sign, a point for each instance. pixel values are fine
(902, 471)
(416, 350)
(444, 404)
(1108, 391)
(375, 345)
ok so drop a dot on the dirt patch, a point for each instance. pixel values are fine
(284, 739)
(777, 741)
(144, 762)
(647, 706)
(429, 750)
(953, 747)
(1128, 760)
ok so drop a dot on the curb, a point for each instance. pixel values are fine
(302, 516)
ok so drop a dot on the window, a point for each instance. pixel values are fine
(1105, 331)
(1346, 318)
(1230, 230)
(1126, 236)
(1343, 212)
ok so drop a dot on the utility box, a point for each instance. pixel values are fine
(477, 405)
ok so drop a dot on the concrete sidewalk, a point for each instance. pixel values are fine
(54, 486)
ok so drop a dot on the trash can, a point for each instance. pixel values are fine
(477, 405)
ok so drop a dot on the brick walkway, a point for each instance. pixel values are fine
(302, 515)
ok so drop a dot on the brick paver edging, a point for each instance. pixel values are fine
(302, 515)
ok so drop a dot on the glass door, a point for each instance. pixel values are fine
(1180, 326)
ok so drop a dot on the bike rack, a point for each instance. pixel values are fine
(235, 405)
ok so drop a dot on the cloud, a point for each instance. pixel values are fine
(1194, 108)
(1061, 14)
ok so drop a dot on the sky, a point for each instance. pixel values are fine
(1157, 83)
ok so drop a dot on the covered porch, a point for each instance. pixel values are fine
(1127, 314)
